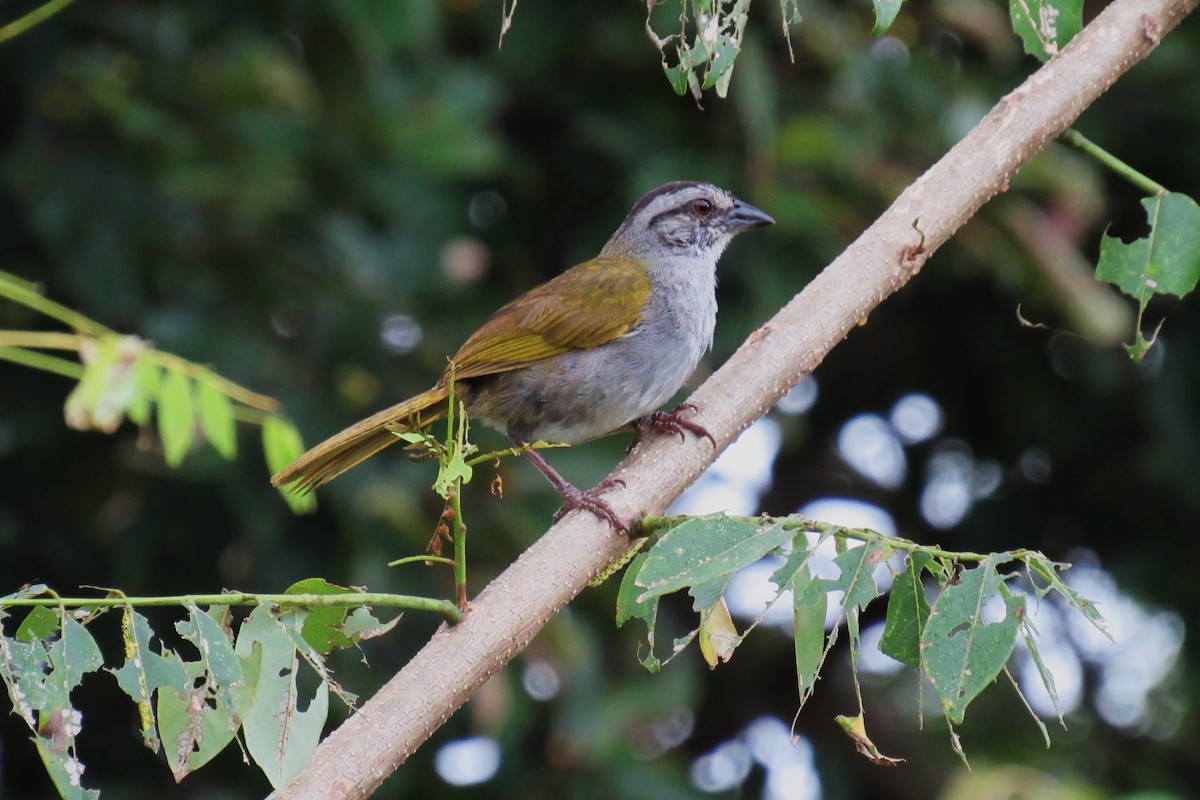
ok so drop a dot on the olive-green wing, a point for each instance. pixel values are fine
(586, 306)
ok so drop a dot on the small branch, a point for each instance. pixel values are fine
(27, 294)
(425, 559)
(42, 340)
(349, 599)
(460, 549)
(39, 14)
(36, 360)
(520, 450)
(1073, 138)
(652, 524)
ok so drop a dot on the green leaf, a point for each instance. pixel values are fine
(705, 596)
(39, 623)
(630, 601)
(55, 744)
(809, 607)
(452, 473)
(907, 611)
(196, 726)
(1166, 260)
(72, 656)
(281, 446)
(280, 737)
(281, 442)
(362, 625)
(219, 687)
(857, 579)
(176, 416)
(220, 663)
(1045, 26)
(147, 378)
(631, 605)
(885, 15)
(1051, 573)
(677, 77)
(705, 548)
(1046, 675)
(961, 653)
(324, 626)
(216, 416)
(146, 671)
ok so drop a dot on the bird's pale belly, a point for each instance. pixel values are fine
(580, 396)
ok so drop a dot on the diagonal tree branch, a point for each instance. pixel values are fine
(357, 757)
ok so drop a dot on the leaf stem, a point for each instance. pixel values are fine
(36, 360)
(39, 14)
(427, 559)
(512, 451)
(43, 340)
(1073, 138)
(651, 524)
(196, 372)
(28, 295)
(443, 607)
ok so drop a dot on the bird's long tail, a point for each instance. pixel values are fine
(360, 441)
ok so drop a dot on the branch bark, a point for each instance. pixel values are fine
(371, 744)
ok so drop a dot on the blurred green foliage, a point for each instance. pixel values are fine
(321, 200)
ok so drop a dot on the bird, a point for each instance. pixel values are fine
(596, 349)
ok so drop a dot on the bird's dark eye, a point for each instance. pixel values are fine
(703, 207)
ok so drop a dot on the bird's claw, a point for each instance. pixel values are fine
(592, 501)
(670, 422)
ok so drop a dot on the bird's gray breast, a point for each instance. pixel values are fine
(588, 393)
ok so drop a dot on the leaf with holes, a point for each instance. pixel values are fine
(1166, 260)
(703, 549)
(630, 605)
(280, 736)
(857, 579)
(73, 655)
(1050, 572)
(197, 724)
(147, 671)
(961, 652)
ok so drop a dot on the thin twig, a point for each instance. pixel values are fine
(1074, 138)
(39, 14)
(348, 599)
(46, 363)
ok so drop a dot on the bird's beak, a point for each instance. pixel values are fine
(743, 217)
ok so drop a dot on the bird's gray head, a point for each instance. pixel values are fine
(684, 218)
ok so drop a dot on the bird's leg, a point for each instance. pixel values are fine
(577, 498)
(669, 422)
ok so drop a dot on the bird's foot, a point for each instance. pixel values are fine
(669, 422)
(591, 500)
